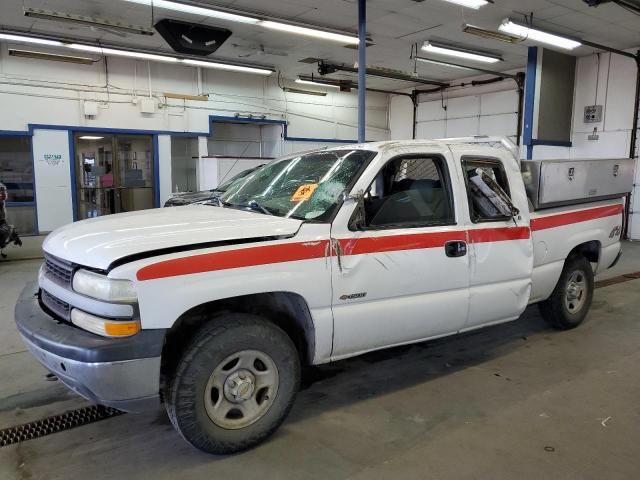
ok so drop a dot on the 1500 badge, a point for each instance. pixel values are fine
(353, 295)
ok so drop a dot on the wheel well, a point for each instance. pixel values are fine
(287, 310)
(589, 250)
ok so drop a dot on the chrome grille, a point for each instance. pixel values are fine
(61, 308)
(59, 269)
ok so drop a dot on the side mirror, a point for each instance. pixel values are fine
(358, 220)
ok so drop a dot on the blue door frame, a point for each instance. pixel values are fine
(529, 107)
(34, 203)
(109, 131)
(72, 129)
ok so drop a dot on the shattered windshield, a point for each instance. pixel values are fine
(224, 186)
(307, 187)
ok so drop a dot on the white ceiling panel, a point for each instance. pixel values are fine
(393, 24)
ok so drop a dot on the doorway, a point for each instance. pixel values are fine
(114, 173)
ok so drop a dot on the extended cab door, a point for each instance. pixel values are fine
(400, 268)
(500, 247)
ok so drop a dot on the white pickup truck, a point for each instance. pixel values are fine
(316, 257)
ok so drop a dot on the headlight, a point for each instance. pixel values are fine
(103, 288)
(103, 326)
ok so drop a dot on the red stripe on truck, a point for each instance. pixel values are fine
(392, 243)
(292, 252)
(552, 221)
(243, 257)
(484, 235)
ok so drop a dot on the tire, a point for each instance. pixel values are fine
(234, 384)
(570, 301)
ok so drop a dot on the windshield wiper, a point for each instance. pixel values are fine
(218, 201)
(253, 205)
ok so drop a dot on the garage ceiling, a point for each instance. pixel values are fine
(393, 24)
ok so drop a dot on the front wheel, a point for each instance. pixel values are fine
(571, 299)
(234, 384)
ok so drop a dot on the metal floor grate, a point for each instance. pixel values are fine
(56, 423)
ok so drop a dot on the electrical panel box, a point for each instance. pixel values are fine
(593, 113)
(148, 105)
(90, 109)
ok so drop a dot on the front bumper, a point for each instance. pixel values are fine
(123, 373)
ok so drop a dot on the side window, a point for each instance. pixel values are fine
(488, 190)
(409, 192)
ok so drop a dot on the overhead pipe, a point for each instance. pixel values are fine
(632, 146)
(520, 76)
(362, 69)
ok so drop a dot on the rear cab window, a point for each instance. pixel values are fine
(487, 189)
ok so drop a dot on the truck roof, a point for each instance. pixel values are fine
(479, 141)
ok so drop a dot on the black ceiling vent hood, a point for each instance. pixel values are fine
(191, 38)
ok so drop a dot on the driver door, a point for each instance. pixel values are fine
(403, 275)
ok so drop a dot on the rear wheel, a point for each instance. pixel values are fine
(571, 299)
(234, 384)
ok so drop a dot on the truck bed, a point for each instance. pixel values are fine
(555, 230)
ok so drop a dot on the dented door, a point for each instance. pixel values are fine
(394, 285)
(500, 247)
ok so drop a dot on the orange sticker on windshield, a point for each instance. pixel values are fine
(304, 192)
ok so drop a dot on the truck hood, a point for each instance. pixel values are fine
(98, 242)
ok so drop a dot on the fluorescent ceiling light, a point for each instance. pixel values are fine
(459, 53)
(442, 63)
(225, 66)
(195, 10)
(122, 53)
(490, 34)
(87, 20)
(89, 137)
(51, 56)
(531, 33)
(476, 4)
(309, 32)
(23, 39)
(239, 17)
(304, 92)
(259, 70)
(317, 84)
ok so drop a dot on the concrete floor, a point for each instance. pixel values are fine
(512, 401)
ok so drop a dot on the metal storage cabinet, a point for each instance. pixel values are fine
(552, 183)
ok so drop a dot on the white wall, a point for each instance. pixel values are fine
(246, 140)
(53, 93)
(164, 163)
(400, 117)
(53, 171)
(45, 92)
(605, 79)
(481, 114)
(609, 80)
(460, 111)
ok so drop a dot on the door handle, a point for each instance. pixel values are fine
(455, 248)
